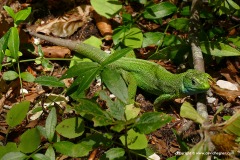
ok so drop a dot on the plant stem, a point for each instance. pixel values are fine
(51, 59)
(20, 80)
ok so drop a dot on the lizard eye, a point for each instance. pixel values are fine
(193, 82)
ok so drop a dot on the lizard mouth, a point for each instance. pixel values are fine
(211, 81)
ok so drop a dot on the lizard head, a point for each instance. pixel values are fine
(196, 82)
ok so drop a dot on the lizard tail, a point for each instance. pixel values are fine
(58, 41)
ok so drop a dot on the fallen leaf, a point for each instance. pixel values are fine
(68, 24)
(227, 85)
(103, 25)
(55, 51)
(224, 142)
(226, 94)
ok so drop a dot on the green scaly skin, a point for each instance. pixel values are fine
(149, 76)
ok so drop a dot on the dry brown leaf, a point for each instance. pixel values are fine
(224, 142)
(68, 24)
(103, 25)
(55, 51)
(226, 94)
(31, 97)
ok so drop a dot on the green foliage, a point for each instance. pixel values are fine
(106, 8)
(29, 141)
(160, 10)
(130, 37)
(13, 43)
(10, 147)
(187, 111)
(49, 81)
(219, 49)
(14, 156)
(28, 77)
(115, 84)
(150, 122)
(181, 24)
(3, 46)
(135, 140)
(51, 123)
(232, 125)
(19, 16)
(115, 153)
(10, 75)
(224, 6)
(74, 150)
(71, 128)
(17, 113)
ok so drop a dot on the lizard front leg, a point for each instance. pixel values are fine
(162, 98)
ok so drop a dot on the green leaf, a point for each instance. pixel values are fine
(106, 8)
(3, 45)
(218, 49)
(187, 111)
(135, 141)
(131, 111)
(10, 75)
(42, 131)
(22, 15)
(74, 150)
(232, 125)
(115, 108)
(181, 24)
(159, 10)
(151, 121)
(71, 128)
(133, 38)
(93, 112)
(14, 156)
(176, 52)
(119, 126)
(28, 77)
(83, 81)
(233, 4)
(9, 11)
(115, 153)
(51, 123)
(17, 113)
(115, 56)
(50, 153)
(119, 33)
(13, 42)
(39, 156)
(66, 148)
(201, 147)
(158, 38)
(100, 139)
(235, 41)
(93, 41)
(79, 68)
(10, 147)
(29, 141)
(152, 38)
(115, 84)
(49, 81)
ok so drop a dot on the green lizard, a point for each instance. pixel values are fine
(149, 76)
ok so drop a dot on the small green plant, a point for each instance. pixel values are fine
(9, 47)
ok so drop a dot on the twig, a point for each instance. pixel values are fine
(198, 61)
